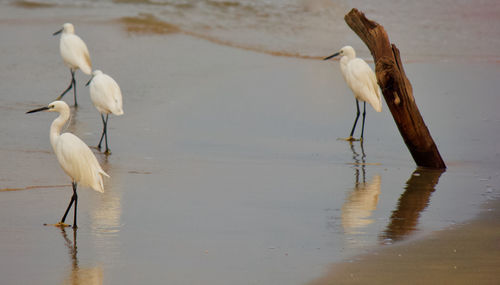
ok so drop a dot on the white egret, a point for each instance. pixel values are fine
(75, 55)
(107, 98)
(362, 81)
(74, 156)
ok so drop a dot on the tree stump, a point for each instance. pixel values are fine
(397, 90)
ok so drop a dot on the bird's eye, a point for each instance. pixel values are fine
(51, 106)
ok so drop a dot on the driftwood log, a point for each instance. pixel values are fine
(397, 90)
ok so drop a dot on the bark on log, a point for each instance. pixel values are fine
(397, 90)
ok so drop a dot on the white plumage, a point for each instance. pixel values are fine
(74, 53)
(74, 156)
(106, 94)
(107, 98)
(361, 80)
(78, 161)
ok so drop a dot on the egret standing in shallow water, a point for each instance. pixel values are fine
(75, 55)
(74, 156)
(362, 81)
(107, 98)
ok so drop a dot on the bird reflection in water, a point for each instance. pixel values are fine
(79, 275)
(363, 198)
(413, 201)
(106, 209)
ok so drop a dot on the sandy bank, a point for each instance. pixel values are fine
(461, 255)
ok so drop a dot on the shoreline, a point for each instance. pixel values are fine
(455, 255)
(192, 135)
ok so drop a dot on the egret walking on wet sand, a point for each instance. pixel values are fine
(362, 81)
(75, 55)
(107, 98)
(74, 156)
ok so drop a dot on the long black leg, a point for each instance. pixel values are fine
(356, 120)
(76, 205)
(364, 115)
(74, 87)
(73, 198)
(106, 134)
(67, 209)
(104, 123)
(71, 84)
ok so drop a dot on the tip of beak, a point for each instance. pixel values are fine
(37, 110)
(331, 56)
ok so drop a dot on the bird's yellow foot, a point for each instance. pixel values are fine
(107, 152)
(59, 225)
(350, 139)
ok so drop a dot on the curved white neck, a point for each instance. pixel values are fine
(57, 124)
(344, 60)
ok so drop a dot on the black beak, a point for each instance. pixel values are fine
(88, 82)
(58, 32)
(38, 110)
(331, 56)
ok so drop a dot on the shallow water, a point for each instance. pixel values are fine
(439, 30)
(226, 168)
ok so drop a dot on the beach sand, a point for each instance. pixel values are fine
(460, 255)
(227, 168)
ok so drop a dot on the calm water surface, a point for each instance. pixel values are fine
(226, 168)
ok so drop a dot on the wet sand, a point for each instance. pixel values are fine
(459, 255)
(226, 168)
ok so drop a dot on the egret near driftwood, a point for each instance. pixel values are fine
(362, 81)
(74, 156)
(75, 55)
(107, 98)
